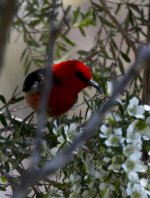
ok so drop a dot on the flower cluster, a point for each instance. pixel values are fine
(125, 132)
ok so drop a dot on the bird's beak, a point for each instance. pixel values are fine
(95, 85)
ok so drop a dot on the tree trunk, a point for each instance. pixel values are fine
(146, 73)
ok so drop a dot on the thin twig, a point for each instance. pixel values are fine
(61, 159)
(120, 27)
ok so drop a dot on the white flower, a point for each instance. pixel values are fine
(109, 88)
(143, 127)
(134, 109)
(103, 186)
(131, 149)
(110, 118)
(61, 139)
(134, 137)
(54, 150)
(71, 177)
(106, 159)
(133, 176)
(113, 140)
(148, 120)
(132, 166)
(129, 189)
(117, 117)
(136, 155)
(106, 131)
(143, 182)
(69, 131)
(136, 190)
(118, 131)
(116, 163)
(71, 128)
(66, 128)
(113, 117)
(147, 107)
(137, 141)
(133, 102)
(130, 132)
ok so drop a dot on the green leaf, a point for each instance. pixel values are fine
(68, 41)
(68, 10)
(41, 195)
(35, 22)
(2, 98)
(2, 188)
(97, 7)
(82, 31)
(83, 52)
(113, 43)
(3, 120)
(76, 15)
(88, 20)
(107, 23)
(87, 103)
(121, 66)
(15, 100)
(136, 8)
(4, 179)
(125, 57)
(140, 125)
(130, 17)
(61, 46)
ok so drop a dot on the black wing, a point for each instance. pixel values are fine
(36, 78)
(33, 79)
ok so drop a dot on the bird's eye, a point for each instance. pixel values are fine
(56, 80)
(81, 76)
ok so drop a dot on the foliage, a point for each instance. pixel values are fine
(115, 162)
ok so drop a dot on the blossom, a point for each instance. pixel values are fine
(105, 131)
(136, 190)
(134, 109)
(143, 127)
(132, 149)
(147, 107)
(113, 140)
(109, 87)
(132, 166)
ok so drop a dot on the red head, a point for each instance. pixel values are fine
(73, 74)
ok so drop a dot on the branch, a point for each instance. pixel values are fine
(47, 86)
(31, 177)
(7, 11)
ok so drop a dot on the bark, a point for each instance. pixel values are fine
(146, 73)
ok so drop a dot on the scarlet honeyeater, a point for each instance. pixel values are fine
(69, 78)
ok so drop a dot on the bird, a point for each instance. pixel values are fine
(68, 79)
